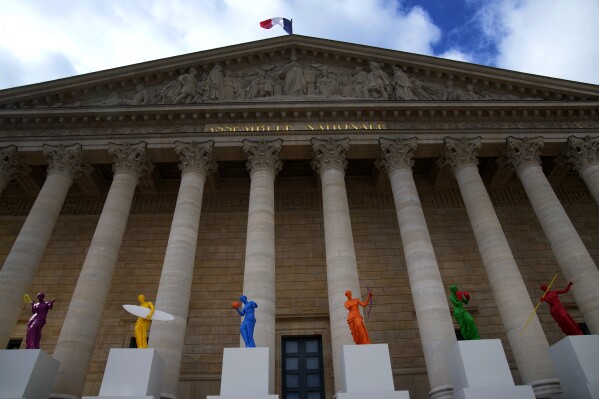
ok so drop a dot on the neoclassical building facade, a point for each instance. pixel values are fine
(291, 170)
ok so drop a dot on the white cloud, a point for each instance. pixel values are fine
(94, 35)
(457, 55)
(546, 37)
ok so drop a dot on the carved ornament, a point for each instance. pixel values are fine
(523, 152)
(582, 153)
(196, 157)
(460, 152)
(396, 153)
(65, 160)
(10, 163)
(131, 159)
(329, 154)
(263, 156)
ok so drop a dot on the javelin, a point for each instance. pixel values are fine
(540, 300)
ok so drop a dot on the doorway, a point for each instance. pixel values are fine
(302, 366)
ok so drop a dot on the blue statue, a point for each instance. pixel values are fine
(249, 320)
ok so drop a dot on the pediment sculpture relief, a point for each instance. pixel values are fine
(297, 79)
(302, 80)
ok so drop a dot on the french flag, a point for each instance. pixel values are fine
(284, 22)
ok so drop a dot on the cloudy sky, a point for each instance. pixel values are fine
(49, 39)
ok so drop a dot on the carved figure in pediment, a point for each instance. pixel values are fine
(452, 93)
(378, 84)
(402, 85)
(215, 85)
(185, 89)
(326, 84)
(141, 97)
(424, 92)
(472, 93)
(261, 86)
(355, 85)
(230, 90)
(294, 81)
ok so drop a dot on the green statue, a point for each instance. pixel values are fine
(464, 319)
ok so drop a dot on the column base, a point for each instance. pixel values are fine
(441, 392)
(27, 373)
(546, 388)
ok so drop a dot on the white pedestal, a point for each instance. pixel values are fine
(479, 370)
(245, 374)
(27, 373)
(576, 361)
(366, 373)
(132, 374)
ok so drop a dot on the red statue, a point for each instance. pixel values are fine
(558, 311)
(355, 320)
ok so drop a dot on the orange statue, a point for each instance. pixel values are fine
(143, 323)
(354, 318)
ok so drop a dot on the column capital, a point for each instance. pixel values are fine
(460, 152)
(196, 157)
(523, 152)
(582, 153)
(263, 155)
(329, 154)
(131, 159)
(65, 161)
(396, 153)
(11, 163)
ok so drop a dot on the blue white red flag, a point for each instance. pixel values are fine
(284, 22)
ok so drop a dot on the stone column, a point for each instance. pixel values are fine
(569, 250)
(10, 165)
(530, 349)
(430, 299)
(259, 273)
(342, 269)
(20, 267)
(583, 155)
(79, 333)
(174, 289)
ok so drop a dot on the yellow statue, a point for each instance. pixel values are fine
(143, 323)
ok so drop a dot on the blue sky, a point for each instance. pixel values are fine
(44, 40)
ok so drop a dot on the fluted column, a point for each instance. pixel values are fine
(342, 269)
(429, 296)
(10, 165)
(569, 250)
(530, 349)
(174, 289)
(583, 155)
(20, 267)
(79, 333)
(259, 273)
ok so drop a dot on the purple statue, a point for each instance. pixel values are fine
(37, 321)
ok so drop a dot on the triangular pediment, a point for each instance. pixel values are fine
(294, 68)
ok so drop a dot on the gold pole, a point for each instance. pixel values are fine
(536, 307)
